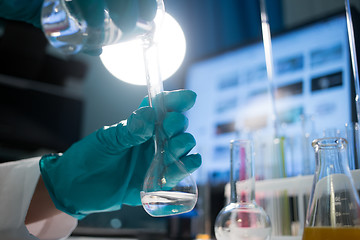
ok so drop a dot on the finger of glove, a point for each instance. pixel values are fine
(140, 127)
(180, 145)
(179, 170)
(137, 129)
(175, 123)
(92, 11)
(124, 13)
(192, 162)
(147, 9)
(177, 101)
(93, 52)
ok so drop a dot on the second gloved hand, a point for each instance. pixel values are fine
(123, 13)
(107, 168)
(22, 10)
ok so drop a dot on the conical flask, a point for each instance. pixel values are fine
(242, 219)
(168, 188)
(334, 207)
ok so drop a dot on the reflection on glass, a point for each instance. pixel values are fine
(334, 206)
(242, 218)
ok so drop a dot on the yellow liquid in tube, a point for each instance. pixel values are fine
(329, 233)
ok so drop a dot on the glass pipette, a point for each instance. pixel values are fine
(351, 37)
(279, 140)
(265, 26)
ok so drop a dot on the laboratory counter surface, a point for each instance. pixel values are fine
(298, 185)
(96, 238)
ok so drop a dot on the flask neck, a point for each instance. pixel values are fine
(331, 157)
(242, 180)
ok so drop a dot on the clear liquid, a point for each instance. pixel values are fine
(242, 221)
(236, 233)
(166, 203)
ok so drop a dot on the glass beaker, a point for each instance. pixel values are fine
(334, 207)
(242, 218)
(168, 188)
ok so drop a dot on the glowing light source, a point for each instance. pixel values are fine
(125, 60)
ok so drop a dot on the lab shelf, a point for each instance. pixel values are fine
(286, 238)
(295, 185)
(292, 185)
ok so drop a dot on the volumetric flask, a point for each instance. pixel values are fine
(334, 207)
(168, 188)
(242, 219)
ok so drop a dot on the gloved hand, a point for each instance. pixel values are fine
(22, 10)
(124, 13)
(107, 168)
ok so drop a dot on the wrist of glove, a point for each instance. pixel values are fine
(107, 168)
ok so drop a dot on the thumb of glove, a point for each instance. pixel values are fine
(137, 129)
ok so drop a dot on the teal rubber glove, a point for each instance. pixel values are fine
(124, 13)
(22, 10)
(107, 168)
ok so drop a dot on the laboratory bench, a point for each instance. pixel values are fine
(96, 238)
(296, 187)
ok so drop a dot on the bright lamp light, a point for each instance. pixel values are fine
(125, 60)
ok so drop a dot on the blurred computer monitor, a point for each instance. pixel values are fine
(314, 95)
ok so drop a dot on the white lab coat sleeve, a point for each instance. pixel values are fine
(54, 228)
(18, 180)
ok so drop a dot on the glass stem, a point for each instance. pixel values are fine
(242, 180)
(266, 34)
(156, 95)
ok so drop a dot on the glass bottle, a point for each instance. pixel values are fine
(242, 218)
(168, 188)
(334, 207)
(72, 26)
